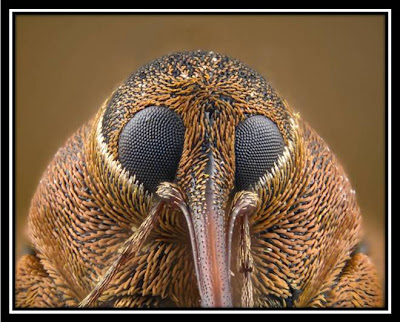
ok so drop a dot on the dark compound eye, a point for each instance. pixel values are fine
(150, 145)
(258, 144)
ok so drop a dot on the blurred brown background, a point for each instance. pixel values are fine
(330, 68)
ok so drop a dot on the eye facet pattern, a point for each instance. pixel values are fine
(258, 144)
(150, 145)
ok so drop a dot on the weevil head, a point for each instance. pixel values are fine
(211, 128)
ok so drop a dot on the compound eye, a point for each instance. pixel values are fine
(258, 144)
(151, 144)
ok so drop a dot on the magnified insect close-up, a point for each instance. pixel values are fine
(195, 185)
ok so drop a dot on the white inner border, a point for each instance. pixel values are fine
(283, 11)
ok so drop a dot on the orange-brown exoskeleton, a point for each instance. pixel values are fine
(195, 185)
